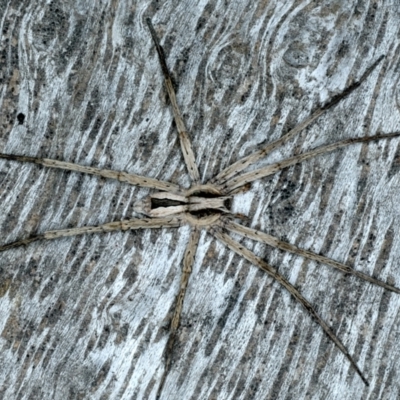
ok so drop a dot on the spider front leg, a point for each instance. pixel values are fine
(259, 262)
(234, 169)
(184, 139)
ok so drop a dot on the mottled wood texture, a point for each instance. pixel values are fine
(86, 317)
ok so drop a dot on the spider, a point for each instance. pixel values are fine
(207, 206)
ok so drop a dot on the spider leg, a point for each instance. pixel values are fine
(250, 256)
(244, 162)
(132, 179)
(271, 169)
(186, 271)
(135, 223)
(184, 139)
(279, 244)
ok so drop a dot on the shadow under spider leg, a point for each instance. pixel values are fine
(207, 207)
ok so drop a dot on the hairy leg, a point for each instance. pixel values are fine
(184, 139)
(132, 179)
(259, 262)
(245, 162)
(135, 223)
(279, 244)
(188, 262)
(271, 169)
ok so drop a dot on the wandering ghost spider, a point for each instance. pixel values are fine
(207, 206)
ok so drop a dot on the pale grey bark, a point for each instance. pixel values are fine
(87, 317)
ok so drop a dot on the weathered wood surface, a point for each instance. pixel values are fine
(86, 317)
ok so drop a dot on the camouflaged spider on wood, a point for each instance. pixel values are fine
(207, 206)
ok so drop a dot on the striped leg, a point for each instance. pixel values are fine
(187, 270)
(279, 244)
(271, 169)
(250, 256)
(245, 162)
(132, 179)
(184, 139)
(135, 223)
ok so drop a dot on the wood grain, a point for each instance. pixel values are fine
(87, 317)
